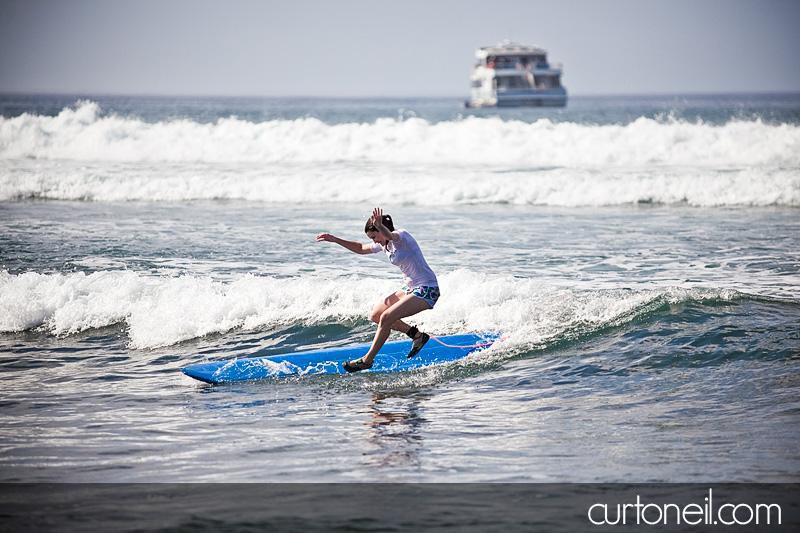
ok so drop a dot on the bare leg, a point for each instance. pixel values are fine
(388, 302)
(405, 306)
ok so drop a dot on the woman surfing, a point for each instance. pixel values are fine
(421, 290)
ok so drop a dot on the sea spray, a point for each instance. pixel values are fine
(84, 133)
(165, 310)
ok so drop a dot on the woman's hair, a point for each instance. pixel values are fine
(387, 221)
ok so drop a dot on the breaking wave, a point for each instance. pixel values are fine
(163, 311)
(83, 133)
(82, 154)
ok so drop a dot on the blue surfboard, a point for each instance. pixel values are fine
(392, 358)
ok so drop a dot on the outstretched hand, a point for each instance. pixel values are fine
(327, 237)
(377, 217)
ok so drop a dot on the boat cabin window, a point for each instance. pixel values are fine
(514, 62)
(513, 83)
(546, 82)
(526, 82)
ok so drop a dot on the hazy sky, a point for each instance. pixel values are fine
(391, 48)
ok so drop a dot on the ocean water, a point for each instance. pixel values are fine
(640, 255)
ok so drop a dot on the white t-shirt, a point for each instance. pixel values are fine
(405, 254)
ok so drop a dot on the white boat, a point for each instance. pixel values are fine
(510, 74)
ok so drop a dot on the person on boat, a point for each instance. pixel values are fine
(421, 290)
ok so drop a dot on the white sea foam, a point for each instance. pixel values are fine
(448, 185)
(83, 133)
(82, 154)
(161, 311)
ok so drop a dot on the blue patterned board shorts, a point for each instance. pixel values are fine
(429, 294)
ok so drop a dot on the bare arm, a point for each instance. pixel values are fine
(355, 247)
(377, 220)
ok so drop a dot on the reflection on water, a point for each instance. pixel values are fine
(396, 438)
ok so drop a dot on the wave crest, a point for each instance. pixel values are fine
(162, 311)
(83, 133)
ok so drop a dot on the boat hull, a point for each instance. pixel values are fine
(522, 99)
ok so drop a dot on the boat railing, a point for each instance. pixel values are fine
(517, 66)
